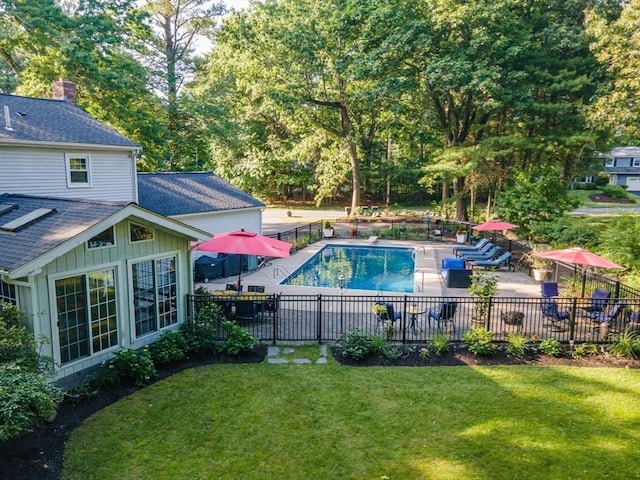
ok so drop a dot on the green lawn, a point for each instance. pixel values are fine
(332, 422)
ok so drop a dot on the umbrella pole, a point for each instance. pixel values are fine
(240, 257)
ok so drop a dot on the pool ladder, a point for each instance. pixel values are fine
(279, 269)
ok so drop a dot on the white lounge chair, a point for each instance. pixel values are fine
(372, 239)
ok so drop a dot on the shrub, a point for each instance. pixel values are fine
(584, 350)
(238, 339)
(17, 344)
(614, 191)
(199, 339)
(626, 345)
(551, 347)
(211, 314)
(517, 344)
(135, 366)
(170, 347)
(355, 344)
(479, 341)
(27, 398)
(441, 344)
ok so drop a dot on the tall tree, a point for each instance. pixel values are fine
(171, 56)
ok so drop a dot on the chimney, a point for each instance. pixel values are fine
(63, 89)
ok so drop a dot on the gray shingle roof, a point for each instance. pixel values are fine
(187, 193)
(70, 218)
(54, 121)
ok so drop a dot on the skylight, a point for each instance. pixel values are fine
(26, 219)
(7, 207)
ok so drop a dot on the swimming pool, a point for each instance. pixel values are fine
(375, 268)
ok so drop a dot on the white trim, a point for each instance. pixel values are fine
(179, 294)
(635, 162)
(53, 316)
(131, 210)
(77, 156)
(42, 144)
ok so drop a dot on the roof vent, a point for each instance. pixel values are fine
(24, 220)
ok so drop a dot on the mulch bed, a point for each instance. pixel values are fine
(604, 199)
(38, 455)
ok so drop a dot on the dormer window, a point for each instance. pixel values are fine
(78, 170)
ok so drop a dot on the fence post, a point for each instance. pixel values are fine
(276, 310)
(572, 329)
(319, 329)
(189, 307)
(617, 289)
(403, 320)
(488, 322)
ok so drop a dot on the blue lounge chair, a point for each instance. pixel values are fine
(471, 248)
(488, 255)
(482, 250)
(558, 318)
(502, 260)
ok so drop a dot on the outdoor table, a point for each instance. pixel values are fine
(414, 311)
(246, 304)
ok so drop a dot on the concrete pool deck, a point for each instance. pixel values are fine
(427, 281)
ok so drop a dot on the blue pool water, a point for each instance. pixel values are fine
(375, 268)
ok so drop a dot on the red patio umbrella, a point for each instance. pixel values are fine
(493, 225)
(578, 256)
(246, 243)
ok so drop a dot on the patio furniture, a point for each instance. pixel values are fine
(414, 311)
(607, 321)
(559, 319)
(390, 313)
(372, 239)
(454, 273)
(488, 255)
(549, 289)
(471, 248)
(480, 251)
(444, 314)
(599, 299)
(255, 288)
(501, 261)
(234, 286)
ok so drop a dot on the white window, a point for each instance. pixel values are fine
(140, 233)
(609, 162)
(155, 295)
(78, 170)
(86, 314)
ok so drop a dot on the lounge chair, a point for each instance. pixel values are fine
(471, 248)
(502, 260)
(481, 251)
(488, 255)
(372, 239)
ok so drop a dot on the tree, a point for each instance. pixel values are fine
(171, 56)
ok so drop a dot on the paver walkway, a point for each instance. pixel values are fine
(285, 354)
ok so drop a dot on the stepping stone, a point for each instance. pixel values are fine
(273, 351)
(322, 360)
(288, 350)
(301, 360)
(275, 360)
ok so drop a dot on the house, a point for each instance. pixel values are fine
(623, 166)
(92, 270)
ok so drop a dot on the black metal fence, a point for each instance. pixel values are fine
(326, 318)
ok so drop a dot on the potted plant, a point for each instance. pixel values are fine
(353, 232)
(327, 231)
(484, 285)
(540, 267)
(380, 310)
(461, 235)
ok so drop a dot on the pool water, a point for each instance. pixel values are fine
(374, 268)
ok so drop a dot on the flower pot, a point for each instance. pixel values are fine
(539, 274)
(461, 237)
(327, 232)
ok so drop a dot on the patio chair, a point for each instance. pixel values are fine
(549, 289)
(480, 251)
(607, 320)
(502, 260)
(599, 299)
(255, 288)
(471, 248)
(559, 319)
(234, 286)
(488, 255)
(444, 314)
(390, 313)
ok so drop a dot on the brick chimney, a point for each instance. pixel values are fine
(63, 89)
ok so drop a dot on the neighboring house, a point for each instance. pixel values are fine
(93, 271)
(623, 166)
(202, 200)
